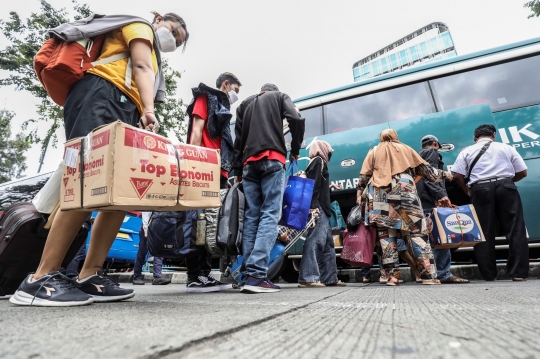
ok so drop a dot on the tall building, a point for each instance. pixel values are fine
(431, 42)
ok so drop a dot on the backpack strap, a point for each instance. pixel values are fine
(120, 56)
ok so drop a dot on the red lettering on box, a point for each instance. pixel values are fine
(144, 140)
(141, 185)
(195, 153)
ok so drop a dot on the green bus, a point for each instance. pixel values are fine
(446, 98)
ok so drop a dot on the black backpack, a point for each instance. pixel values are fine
(166, 236)
(231, 221)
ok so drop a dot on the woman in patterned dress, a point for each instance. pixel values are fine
(388, 191)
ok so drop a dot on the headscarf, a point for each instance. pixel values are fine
(321, 149)
(391, 158)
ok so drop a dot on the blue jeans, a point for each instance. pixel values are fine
(442, 257)
(263, 189)
(141, 259)
(319, 256)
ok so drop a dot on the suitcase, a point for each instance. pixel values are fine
(23, 232)
(277, 254)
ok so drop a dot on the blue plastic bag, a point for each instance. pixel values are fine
(296, 199)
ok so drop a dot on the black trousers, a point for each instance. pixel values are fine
(499, 202)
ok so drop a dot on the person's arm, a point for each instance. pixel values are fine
(196, 130)
(460, 168)
(315, 170)
(519, 176)
(143, 74)
(438, 192)
(460, 180)
(296, 125)
(237, 152)
(362, 184)
(146, 221)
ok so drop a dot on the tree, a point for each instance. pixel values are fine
(26, 38)
(534, 5)
(12, 158)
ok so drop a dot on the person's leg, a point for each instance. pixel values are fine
(390, 257)
(405, 254)
(271, 187)
(327, 259)
(205, 262)
(192, 262)
(72, 269)
(313, 247)
(104, 233)
(157, 267)
(510, 215)
(252, 211)
(141, 256)
(483, 200)
(366, 274)
(64, 229)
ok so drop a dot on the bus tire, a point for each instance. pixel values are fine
(289, 274)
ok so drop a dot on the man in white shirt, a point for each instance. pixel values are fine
(496, 200)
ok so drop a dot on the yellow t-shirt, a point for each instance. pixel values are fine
(116, 42)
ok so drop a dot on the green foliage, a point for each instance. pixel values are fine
(12, 159)
(26, 38)
(534, 5)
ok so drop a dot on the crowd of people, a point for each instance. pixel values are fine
(397, 185)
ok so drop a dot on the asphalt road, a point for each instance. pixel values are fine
(479, 320)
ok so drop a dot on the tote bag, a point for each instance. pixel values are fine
(296, 199)
(358, 246)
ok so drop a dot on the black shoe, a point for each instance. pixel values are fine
(215, 281)
(138, 281)
(52, 290)
(104, 289)
(201, 285)
(161, 281)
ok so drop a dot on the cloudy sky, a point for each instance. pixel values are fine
(303, 46)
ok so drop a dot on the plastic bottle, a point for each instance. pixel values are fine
(200, 238)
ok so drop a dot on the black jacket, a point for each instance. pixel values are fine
(266, 112)
(318, 170)
(431, 192)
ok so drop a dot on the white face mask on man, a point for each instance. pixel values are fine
(233, 97)
(165, 40)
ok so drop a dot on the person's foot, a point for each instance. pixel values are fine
(222, 286)
(52, 290)
(201, 284)
(310, 285)
(160, 281)
(519, 279)
(454, 279)
(392, 281)
(367, 280)
(138, 281)
(104, 289)
(337, 284)
(431, 282)
(259, 285)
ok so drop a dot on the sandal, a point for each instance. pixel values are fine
(392, 282)
(337, 284)
(431, 282)
(385, 280)
(367, 280)
(454, 279)
(311, 285)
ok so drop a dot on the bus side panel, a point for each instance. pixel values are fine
(521, 128)
(454, 127)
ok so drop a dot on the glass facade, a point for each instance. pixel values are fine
(437, 44)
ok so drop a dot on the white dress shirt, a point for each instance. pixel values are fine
(500, 160)
(145, 220)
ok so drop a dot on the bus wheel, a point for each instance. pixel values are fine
(290, 274)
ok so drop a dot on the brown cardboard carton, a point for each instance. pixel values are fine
(125, 168)
(198, 177)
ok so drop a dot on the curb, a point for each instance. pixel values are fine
(468, 271)
(175, 277)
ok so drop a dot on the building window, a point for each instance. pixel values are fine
(391, 105)
(509, 85)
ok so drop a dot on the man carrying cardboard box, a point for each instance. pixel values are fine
(209, 121)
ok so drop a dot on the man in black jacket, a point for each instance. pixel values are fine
(259, 163)
(433, 194)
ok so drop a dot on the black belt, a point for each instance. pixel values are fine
(489, 180)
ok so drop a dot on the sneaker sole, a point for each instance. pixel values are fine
(112, 298)
(162, 283)
(202, 289)
(250, 289)
(225, 286)
(23, 298)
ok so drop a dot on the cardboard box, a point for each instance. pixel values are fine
(455, 227)
(199, 177)
(126, 168)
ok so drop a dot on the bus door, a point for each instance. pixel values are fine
(455, 131)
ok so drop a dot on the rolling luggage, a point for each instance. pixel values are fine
(23, 232)
(277, 254)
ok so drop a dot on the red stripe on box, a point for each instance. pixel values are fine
(195, 153)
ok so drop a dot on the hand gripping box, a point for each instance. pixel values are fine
(125, 168)
(455, 227)
(198, 176)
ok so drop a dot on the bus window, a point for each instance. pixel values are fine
(314, 125)
(504, 86)
(391, 105)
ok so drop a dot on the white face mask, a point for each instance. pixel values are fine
(233, 97)
(165, 40)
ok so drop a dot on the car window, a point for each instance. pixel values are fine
(391, 105)
(22, 190)
(504, 86)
